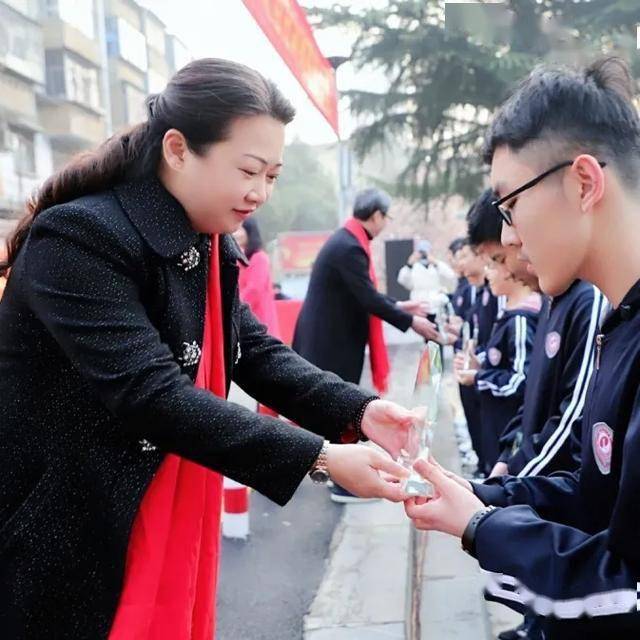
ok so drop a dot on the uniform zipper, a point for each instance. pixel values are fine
(599, 341)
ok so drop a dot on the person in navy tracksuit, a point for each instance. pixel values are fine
(500, 378)
(481, 314)
(567, 546)
(539, 439)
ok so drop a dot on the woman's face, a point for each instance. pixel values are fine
(223, 187)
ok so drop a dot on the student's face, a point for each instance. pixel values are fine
(520, 269)
(472, 265)
(501, 280)
(548, 229)
(232, 179)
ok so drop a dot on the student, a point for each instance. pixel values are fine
(472, 266)
(565, 165)
(539, 439)
(121, 333)
(501, 379)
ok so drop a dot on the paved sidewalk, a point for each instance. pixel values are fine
(362, 595)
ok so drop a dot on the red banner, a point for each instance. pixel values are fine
(298, 250)
(285, 24)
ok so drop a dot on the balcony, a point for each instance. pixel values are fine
(72, 126)
(60, 35)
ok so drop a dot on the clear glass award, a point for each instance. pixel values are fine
(426, 395)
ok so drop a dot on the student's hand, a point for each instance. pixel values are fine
(414, 307)
(358, 469)
(388, 425)
(466, 377)
(414, 257)
(426, 329)
(464, 483)
(462, 361)
(451, 508)
(499, 469)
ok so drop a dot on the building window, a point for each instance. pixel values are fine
(126, 41)
(24, 151)
(135, 110)
(21, 46)
(78, 13)
(71, 79)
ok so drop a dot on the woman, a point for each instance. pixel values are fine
(256, 288)
(121, 332)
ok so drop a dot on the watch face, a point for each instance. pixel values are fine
(319, 476)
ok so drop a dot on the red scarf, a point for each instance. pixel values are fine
(171, 573)
(377, 347)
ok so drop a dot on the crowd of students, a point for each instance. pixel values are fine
(551, 392)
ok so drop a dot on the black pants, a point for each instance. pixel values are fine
(471, 405)
(619, 627)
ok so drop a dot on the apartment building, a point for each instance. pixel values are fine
(71, 73)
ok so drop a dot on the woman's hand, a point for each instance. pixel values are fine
(388, 425)
(451, 508)
(366, 472)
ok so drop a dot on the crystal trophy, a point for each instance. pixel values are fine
(426, 394)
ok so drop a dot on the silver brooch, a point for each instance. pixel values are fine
(147, 446)
(191, 354)
(190, 259)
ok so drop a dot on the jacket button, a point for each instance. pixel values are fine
(190, 354)
(190, 259)
(146, 446)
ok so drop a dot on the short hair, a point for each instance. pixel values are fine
(254, 238)
(457, 244)
(589, 111)
(483, 221)
(369, 201)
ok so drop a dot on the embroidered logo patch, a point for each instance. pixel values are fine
(602, 444)
(494, 356)
(485, 297)
(552, 344)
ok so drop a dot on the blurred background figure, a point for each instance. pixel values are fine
(278, 293)
(255, 278)
(427, 279)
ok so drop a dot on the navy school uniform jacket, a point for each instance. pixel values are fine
(561, 366)
(482, 314)
(568, 545)
(501, 381)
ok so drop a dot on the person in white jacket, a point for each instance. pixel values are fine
(427, 279)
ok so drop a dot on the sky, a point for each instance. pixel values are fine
(225, 29)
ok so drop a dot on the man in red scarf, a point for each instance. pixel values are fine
(343, 310)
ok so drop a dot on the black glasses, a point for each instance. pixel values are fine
(505, 214)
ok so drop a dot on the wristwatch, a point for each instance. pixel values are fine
(319, 472)
(469, 534)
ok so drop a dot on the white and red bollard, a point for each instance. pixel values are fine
(235, 517)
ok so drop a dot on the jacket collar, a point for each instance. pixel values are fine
(230, 252)
(162, 221)
(157, 215)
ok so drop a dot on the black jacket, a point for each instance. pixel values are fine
(561, 365)
(502, 380)
(333, 326)
(100, 332)
(566, 545)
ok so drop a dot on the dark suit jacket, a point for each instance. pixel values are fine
(100, 332)
(333, 327)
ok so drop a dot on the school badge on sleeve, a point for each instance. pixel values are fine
(494, 356)
(602, 444)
